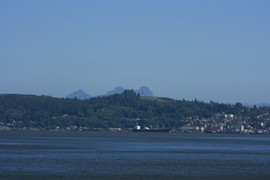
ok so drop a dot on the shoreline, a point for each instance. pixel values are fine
(130, 131)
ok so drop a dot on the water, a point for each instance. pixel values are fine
(127, 155)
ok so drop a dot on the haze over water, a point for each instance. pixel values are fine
(107, 155)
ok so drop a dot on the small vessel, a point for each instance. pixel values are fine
(138, 128)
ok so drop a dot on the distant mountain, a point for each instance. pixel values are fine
(258, 105)
(117, 90)
(143, 91)
(79, 94)
(263, 105)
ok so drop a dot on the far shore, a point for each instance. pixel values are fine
(129, 130)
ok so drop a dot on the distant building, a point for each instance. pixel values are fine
(231, 116)
(221, 128)
(115, 129)
(239, 128)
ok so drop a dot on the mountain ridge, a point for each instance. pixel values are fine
(80, 94)
(257, 105)
(117, 90)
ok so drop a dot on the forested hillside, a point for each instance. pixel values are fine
(119, 110)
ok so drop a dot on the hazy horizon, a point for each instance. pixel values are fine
(208, 50)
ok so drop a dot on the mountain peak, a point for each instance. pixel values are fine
(79, 94)
(144, 91)
(117, 90)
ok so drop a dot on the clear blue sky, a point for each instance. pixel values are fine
(209, 50)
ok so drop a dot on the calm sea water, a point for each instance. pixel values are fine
(127, 155)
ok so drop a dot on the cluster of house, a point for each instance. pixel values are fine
(227, 123)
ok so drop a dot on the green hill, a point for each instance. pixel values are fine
(119, 110)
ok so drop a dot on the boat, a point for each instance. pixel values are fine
(138, 128)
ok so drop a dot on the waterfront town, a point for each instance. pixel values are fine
(219, 123)
(228, 123)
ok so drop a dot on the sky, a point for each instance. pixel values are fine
(182, 49)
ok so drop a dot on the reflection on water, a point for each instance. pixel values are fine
(133, 155)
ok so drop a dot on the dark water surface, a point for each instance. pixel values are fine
(127, 155)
